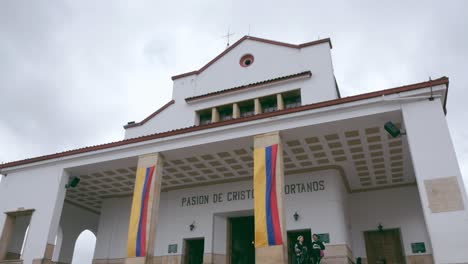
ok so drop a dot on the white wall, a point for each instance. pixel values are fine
(73, 222)
(220, 229)
(271, 61)
(393, 208)
(434, 157)
(322, 211)
(112, 234)
(36, 189)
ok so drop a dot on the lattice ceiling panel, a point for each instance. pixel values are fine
(224, 165)
(95, 186)
(368, 156)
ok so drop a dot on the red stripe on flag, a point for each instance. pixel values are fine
(145, 211)
(274, 201)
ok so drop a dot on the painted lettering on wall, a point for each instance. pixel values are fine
(231, 196)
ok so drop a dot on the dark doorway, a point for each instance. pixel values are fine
(384, 247)
(194, 249)
(292, 239)
(242, 238)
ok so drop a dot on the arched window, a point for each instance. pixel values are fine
(84, 248)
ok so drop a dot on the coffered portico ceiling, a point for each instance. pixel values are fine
(360, 149)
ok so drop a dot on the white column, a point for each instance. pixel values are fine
(438, 176)
(235, 111)
(257, 106)
(48, 222)
(214, 115)
(279, 102)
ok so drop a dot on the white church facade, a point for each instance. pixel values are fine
(374, 175)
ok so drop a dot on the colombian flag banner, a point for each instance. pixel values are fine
(140, 218)
(267, 221)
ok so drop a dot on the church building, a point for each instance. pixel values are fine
(255, 149)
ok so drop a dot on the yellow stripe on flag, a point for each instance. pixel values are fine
(150, 206)
(261, 236)
(135, 213)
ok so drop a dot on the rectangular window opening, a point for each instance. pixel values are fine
(269, 104)
(292, 99)
(204, 117)
(247, 108)
(225, 112)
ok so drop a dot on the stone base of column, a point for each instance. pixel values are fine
(39, 261)
(415, 259)
(47, 256)
(338, 254)
(135, 260)
(15, 261)
(108, 261)
(271, 255)
(219, 259)
(172, 259)
(211, 258)
(420, 259)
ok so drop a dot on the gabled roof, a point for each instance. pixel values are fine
(252, 85)
(273, 42)
(406, 88)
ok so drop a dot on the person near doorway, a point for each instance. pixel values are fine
(317, 249)
(302, 256)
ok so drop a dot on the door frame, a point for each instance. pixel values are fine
(290, 257)
(184, 249)
(229, 232)
(398, 229)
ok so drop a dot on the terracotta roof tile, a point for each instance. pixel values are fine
(250, 85)
(440, 81)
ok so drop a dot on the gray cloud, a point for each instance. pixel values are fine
(72, 73)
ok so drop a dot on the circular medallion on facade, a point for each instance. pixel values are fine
(246, 60)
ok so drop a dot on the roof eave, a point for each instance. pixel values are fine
(292, 77)
(355, 98)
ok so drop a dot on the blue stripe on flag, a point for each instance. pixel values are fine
(138, 243)
(269, 187)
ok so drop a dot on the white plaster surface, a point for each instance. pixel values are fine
(434, 157)
(227, 73)
(393, 208)
(322, 211)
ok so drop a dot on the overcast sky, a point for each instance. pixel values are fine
(72, 73)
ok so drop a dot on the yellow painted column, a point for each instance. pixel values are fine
(270, 222)
(144, 212)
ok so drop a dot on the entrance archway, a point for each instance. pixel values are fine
(84, 248)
